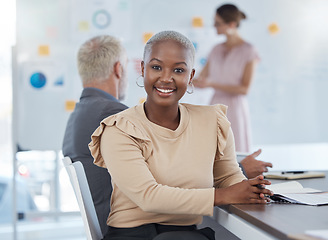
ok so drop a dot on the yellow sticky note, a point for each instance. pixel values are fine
(273, 28)
(142, 100)
(147, 36)
(44, 50)
(197, 22)
(84, 26)
(70, 105)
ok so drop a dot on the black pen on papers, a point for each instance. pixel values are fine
(293, 172)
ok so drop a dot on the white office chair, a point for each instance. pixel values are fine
(82, 192)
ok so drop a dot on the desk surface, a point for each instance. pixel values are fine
(283, 220)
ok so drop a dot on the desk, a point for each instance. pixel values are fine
(274, 221)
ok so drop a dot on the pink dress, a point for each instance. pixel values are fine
(229, 69)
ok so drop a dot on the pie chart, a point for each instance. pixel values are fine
(38, 80)
(101, 19)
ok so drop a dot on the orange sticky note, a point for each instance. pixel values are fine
(147, 36)
(84, 26)
(44, 50)
(70, 105)
(273, 28)
(197, 22)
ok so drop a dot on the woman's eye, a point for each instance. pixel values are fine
(156, 67)
(179, 70)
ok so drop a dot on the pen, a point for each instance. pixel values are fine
(260, 186)
(292, 172)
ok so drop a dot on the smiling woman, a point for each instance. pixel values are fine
(167, 70)
(163, 159)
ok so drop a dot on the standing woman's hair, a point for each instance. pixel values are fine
(230, 13)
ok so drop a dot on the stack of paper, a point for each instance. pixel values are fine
(321, 234)
(289, 175)
(294, 192)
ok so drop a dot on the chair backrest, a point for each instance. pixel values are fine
(82, 192)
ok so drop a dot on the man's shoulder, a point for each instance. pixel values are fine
(114, 105)
(108, 108)
(95, 109)
(101, 104)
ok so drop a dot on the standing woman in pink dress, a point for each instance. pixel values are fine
(229, 70)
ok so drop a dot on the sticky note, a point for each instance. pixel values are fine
(70, 105)
(84, 26)
(197, 22)
(147, 36)
(123, 5)
(273, 28)
(44, 50)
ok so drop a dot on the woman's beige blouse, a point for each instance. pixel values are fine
(165, 176)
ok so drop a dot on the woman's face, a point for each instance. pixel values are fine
(167, 70)
(222, 27)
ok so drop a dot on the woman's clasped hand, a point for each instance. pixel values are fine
(247, 191)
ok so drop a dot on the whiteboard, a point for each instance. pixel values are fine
(288, 95)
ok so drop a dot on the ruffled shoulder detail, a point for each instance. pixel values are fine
(223, 126)
(121, 122)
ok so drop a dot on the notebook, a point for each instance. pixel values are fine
(294, 192)
(290, 175)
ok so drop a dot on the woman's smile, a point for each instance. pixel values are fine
(164, 91)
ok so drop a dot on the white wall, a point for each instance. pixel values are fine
(287, 99)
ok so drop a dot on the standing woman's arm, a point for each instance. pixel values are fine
(201, 81)
(245, 83)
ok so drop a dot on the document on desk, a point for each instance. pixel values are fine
(294, 192)
(321, 234)
(289, 175)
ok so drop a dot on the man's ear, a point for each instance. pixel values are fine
(118, 70)
(142, 65)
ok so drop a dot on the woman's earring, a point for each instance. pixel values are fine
(190, 85)
(137, 81)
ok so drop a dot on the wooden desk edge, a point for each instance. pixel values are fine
(233, 209)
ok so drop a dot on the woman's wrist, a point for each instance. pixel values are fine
(219, 197)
